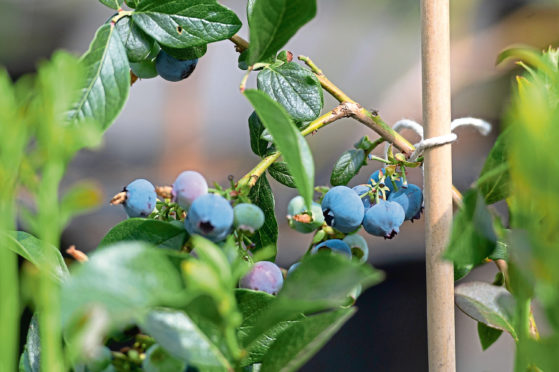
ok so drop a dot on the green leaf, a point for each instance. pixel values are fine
(44, 256)
(347, 167)
(137, 44)
(30, 359)
(107, 80)
(257, 144)
(273, 22)
(162, 234)
(280, 173)
(125, 280)
(113, 4)
(181, 338)
(487, 335)
(526, 54)
(296, 88)
(494, 180)
(473, 236)
(186, 54)
(491, 305)
(288, 140)
(186, 23)
(460, 271)
(266, 237)
(301, 341)
(158, 360)
(501, 251)
(81, 198)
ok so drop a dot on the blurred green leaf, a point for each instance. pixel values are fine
(460, 271)
(257, 144)
(273, 22)
(114, 4)
(81, 198)
(162, 234)
(347, 167)
(473, 237)
(280, 173)
(30, 359)
(487, 335)
(45, 256)
(524, 53)
(288, 140)
(265, 238)
(158, 360)
(489, 304)
(302, 340)
(182, 339)
(186, 23)
(107, 79)
(137, 44)
(493, 182)
(294, 87)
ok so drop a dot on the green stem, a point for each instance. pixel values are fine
(372, 157)
(9, 310)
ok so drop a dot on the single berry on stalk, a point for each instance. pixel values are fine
(187, 187)
(298, 214)
(211, 216)
(358, 246)
(411, 200)
(333, 246)
(140, 198)
(384, 219)
(343, 209)
(264, 276)
(248, 217)
(172, 69)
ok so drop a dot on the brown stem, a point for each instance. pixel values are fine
(240, 44)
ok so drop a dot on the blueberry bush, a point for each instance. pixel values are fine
(188, 281)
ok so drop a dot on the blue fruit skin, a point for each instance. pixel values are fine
(384, 219)
(359, 247)
(187, 187)
(211, 216)
(140, 198)
(343, 209)
(333, 245)
(297, 206)
(375, 176)
(248, 217)
(264, 276)
(172, 69)
(361, 190)
(411, 200)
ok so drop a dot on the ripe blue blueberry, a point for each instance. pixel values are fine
(296, 207)
(362, 190)
(211, 216)
(411, 199)
(359, 247)
(343, 209)
(158, 360)
(140, 198)
(387, 181)
(292, 268)
(264, 276)
(248, 217)
(172, 69)
(334, 246)
(187, 187)
(384, 219)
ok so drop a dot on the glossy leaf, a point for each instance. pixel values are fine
(296, 88)
(494, 180)
(107, 80)
(288, 140)
(473, 236)
(186, 23)
(280, 173)
(487, 335)
(266, 237)
(347, 167)
(273, 22)
(137, 44)
(186, 54)
(181, 338)
(302, 340)
(45, 256)
(489, 304)
(114, 4)
(257, 144)
(162, 234)
(30, 360)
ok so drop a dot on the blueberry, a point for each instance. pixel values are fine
(411, 199)
(293, 268)
(101, 360)
(358, 246)
(343, 209)
(387, 181)
(362, 190)
(248, 217)
(140, 198)
(173, 69)
(264, 276)
(158, 360)
(211, 216)
(296, 207)
(187, 187)
(384, 219)
(333, 245)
